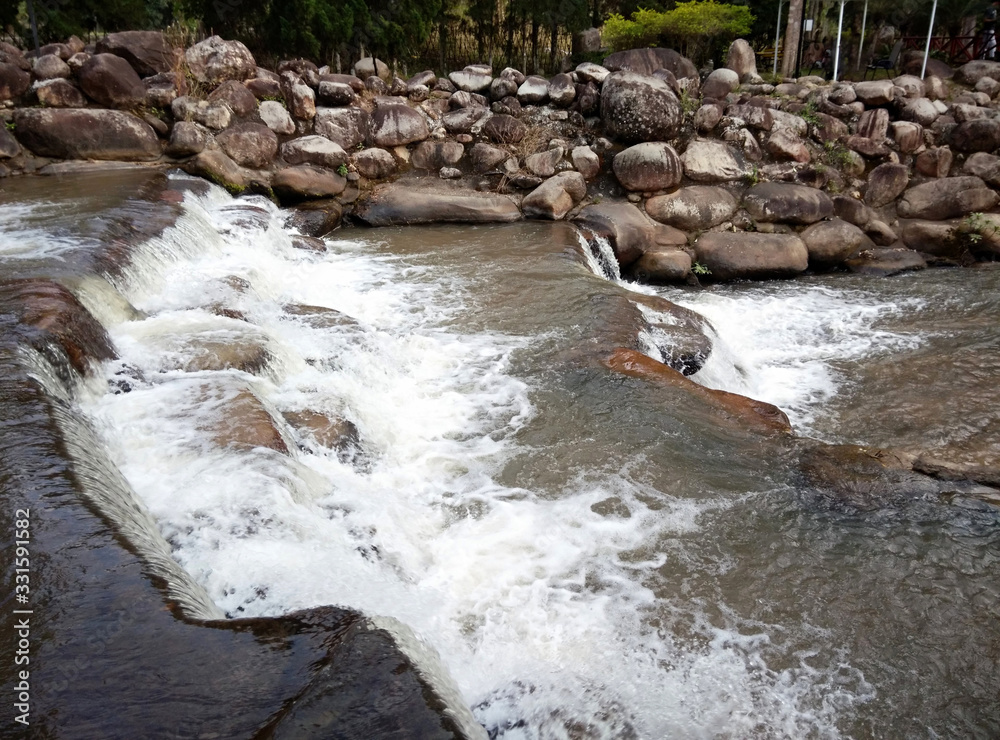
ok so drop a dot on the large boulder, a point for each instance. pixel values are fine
(331, 92)
(249, 144)
(883, 262)
(590, 72)
(555, 197)
(8, 144)
(60, 94)
(695, 208)
(787, 202)
(14, 81)
(76, 133)
(562, 91)
(216, 165)
(647, 61)
(629, 231)
(874, 92)
(948, 197)
(50, 67)
(371, 67)
(347, 127)
(186, 139)
(985, 166)
(533, 91)
(648, 166)
(708, 160)
(473, 78)
(543, 164)
(215, 60)
(504, 129)
(306, 182)
(742, 60)
(939, 238)
(314, 149)
(374, 163)
(720, 83)
(730, 408)
(637, 108)
(397, 125)
(111, 81)
(971, 72)
(236, 95)
(462, 120)
(831, 242)
(395, 204)
(147, 51)
(886, 183)
(980, 135)
(300, 98)
(485, 157)
(433, 155)
(275, 117)
(752, 256)
(936, 162)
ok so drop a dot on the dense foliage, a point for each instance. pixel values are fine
(696, 28)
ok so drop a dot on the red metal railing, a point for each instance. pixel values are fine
(956, 49)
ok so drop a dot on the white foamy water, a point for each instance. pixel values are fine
(527, 596)
(782, 344)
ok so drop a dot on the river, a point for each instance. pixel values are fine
(589, 555)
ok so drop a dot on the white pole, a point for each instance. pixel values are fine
(861, 46)
(930, 32)
(840, 29)
(777, 38)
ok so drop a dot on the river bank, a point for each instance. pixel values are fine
(722, 178)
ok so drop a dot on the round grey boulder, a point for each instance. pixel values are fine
(648, 166)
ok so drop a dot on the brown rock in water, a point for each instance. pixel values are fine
(884, 262)
(331, 432)
(147, 51)
(694, 208)
(555, 197)
(649, 166)
(751, 256)
(886, 183)
(316, 217)
(306, 182)
(663, 265)
(781, 202)
(78, 133)
(831, 242)
(55, 316)
(760, 416)
(863, 478)
(938, 238)
(215, 165)
(395, 204)
(948, 197)
(239, 419)
(111, 81)
(629, 231)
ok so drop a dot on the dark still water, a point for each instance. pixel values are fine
(590, 555)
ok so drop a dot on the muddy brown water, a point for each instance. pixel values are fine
(590, 556)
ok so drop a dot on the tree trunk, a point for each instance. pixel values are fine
(791, 44)
(534, 47)
(554, 47)
(442, 42)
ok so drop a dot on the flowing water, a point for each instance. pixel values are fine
(590, 557)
